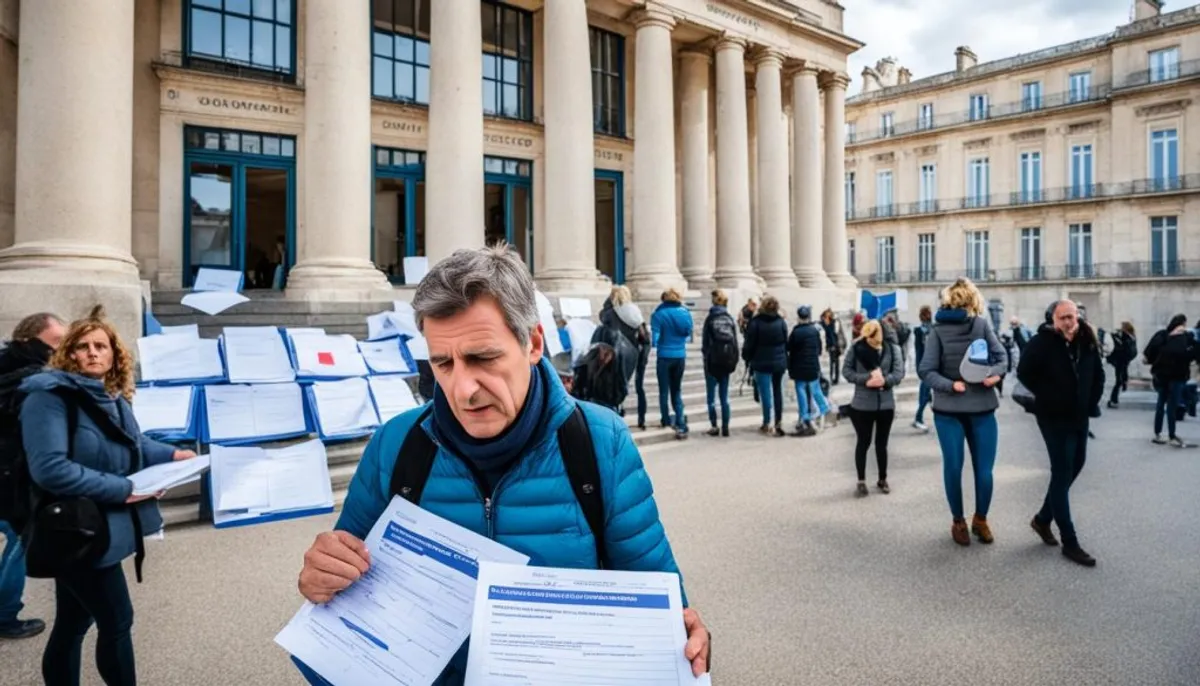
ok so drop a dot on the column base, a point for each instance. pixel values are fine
(843, 280)
(810, 277)
(648, 285)
(334, 280)
(699, 279)
(70, 257)
(71, 293)
(585, 283)
(778, 278)
(739, 279)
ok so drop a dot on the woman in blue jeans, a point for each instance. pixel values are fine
(766, 354)
(671, 328)
(962, 363)
(1170, 354)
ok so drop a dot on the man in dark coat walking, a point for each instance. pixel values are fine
(804, 369)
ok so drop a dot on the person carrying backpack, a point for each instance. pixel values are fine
(503, 451)
(804, 369)
(620, 315)
(32, 344)
(719, 350)
(1124, 352)
(599, 379)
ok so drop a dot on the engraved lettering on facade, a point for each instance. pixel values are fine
(504, 139)
(714, 8)
(220, 103)
(610, 155)
(402, 126)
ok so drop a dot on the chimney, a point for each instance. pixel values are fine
(1145, 9)
(870, 80)
(903, 76)
(964, 59)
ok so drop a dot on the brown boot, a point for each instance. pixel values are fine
(958, 531)
(979, 527)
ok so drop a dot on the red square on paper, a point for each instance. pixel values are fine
(325, 359)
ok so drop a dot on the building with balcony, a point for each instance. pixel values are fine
(1066, 172)
(611, 141)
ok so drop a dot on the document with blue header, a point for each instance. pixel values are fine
(404, 620)
(537, 626)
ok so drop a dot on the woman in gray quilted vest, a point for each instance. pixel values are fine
(962, 364)
(875, 366)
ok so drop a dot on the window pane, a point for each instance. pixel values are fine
(212, 141)
(240, 6)
(263, 50)
(423, 30)
(492, 165)
(405, 15)
(382, 43)
(404, 48)
(510, 70)
(512, 19)
(288, 146)
(206, 33)
(211, 190)
(512, 101)
(423, 52)
(237, 38)
(489, 67)
(283, 48)
(264, 9)
(488, 19)
(405, 88)
(232, 143)
(422, 85)
(270, 145)
(207, 3)
(510, 167)
(489, 98)
(381, 13)
(382, 85)
(412, 158)
(283, 11)
(251, 144)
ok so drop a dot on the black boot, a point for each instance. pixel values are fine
(1077, 555)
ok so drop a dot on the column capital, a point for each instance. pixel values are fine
(767, 57)
(801, 68)
(728, 41)
(834, 80)
(652, 16)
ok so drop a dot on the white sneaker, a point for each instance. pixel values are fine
(1158, 439)
(920, 427)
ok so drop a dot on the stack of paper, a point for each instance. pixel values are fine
(549, 327)
(256, 354)
(392, 396)
(215, 290)
(165, 410)
(162, 477)
(191, 330)
(385, 357)
(249, 483)
(253, 412)
(580, 332)
(167, 359)
(344, 408)
(327, 357)
(404, 320)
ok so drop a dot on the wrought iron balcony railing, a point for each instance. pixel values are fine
(1164, 74)
(1037, 273)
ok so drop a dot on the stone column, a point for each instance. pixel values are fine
(335, 239)
(454, 160)
(569, 246)
(774, 231)
(752, 156)
(835, 169)
(74, 166)
(733, 170)
(697, 239)
(654, 158)
(807, 214)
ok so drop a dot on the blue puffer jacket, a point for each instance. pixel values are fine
(535, 512)
(672, 328)
(98, 464)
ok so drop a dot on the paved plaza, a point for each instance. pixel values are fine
(800, 582)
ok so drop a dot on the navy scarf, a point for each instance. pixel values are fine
(494, 455)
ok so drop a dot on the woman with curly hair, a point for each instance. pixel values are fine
(81, 441)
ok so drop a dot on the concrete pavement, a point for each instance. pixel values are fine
(800, 582)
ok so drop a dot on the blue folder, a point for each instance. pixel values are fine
(206, 436)
(198, 381)
(310, 403)
(402, 343)
(190, 433)
(225, 361)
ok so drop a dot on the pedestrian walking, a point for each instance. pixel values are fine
(1170, 353)
(765, 352)
(671, 326)
(804, 369)
(619, 312)
(719, 350)
(875, 366)
(963, 363)
(1020, 333)
(835, 342)
(924, 393)
(1124, 352)
(1061, 366)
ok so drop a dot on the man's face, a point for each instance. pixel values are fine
(481, 366)
(1066, 319)
(53, 334)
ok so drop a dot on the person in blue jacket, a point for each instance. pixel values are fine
(498, 470)
(91, 374)
(671, 330)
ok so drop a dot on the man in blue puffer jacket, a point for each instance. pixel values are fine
(499, 470)
(671, 329)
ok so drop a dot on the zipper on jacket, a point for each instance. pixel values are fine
(480, 486)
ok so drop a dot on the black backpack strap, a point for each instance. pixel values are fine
(414, 462)
(579, 459)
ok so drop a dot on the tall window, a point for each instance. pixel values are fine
(978, 182)
(1164, 254)
(1079, 86)
(887, 124)
(1031, 96)
(1031, 177)
(977, 255)
(926, 257)
(850, 193)
(1081, 171)
(507, 61)
(1031, 254)
(851, 131)
(925, 117)
(851, 256)
(1164, 64)
(885, 259)
(979, 106)
(608, 82)
(927, 202)
(883, 194)
(1164, 160)
(400, 50)
(254, 34)
(1079, 251)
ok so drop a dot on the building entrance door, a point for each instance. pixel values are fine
(508, 204)
(399, 210)
(610, 225)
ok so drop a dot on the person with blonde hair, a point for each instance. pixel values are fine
(963, 363)
(619, 312)
(671, 327)
(765, 353)
(875, 366)
(81, 443)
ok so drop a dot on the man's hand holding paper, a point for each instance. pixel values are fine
(335, 560)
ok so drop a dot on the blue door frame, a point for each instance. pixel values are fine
(509, 183)
(618, 180)
(411, 178)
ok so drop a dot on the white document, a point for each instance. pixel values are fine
(163, 408)
(537, 626)
(392, 395)
(256, 354)
(406, 318)
(549, 327)
(382, 326)
(260, 481)
(415, 269)
(161, 477)
(403, 621)
(190, 330)
(580, 332)
(328, 356)
(578, 308)
(213, 302)
(178, 358)
(209, 279)
(304, 331)
(418, 347)
(253, 411)
(384, 357)
(344, 406)
(245, 479)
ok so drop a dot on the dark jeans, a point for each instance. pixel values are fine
(670, 382)
(981, 434)
(879, 422)
(12, 575)
(770, 394)
(1066, 442)
(834, 367)
(1170, 400)
(924, 397)
(713, 385)
(639, 382)
(84, 597)
(1120, 383)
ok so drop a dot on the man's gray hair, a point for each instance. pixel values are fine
(497, 271)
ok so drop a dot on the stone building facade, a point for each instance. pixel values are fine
(659, 143)
(1067, 172)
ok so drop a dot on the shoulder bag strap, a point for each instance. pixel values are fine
(414, 462)
(579, 459)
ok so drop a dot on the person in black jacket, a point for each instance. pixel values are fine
(1123, 353)
(719, 351)
(924, 392)
(33, 342)
(804, 369)
(1062, 367)
(765, 353)
(1170, 353)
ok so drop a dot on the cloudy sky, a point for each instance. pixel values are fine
(922, 34)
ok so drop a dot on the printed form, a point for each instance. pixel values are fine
(404, 620)
(538, 626)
